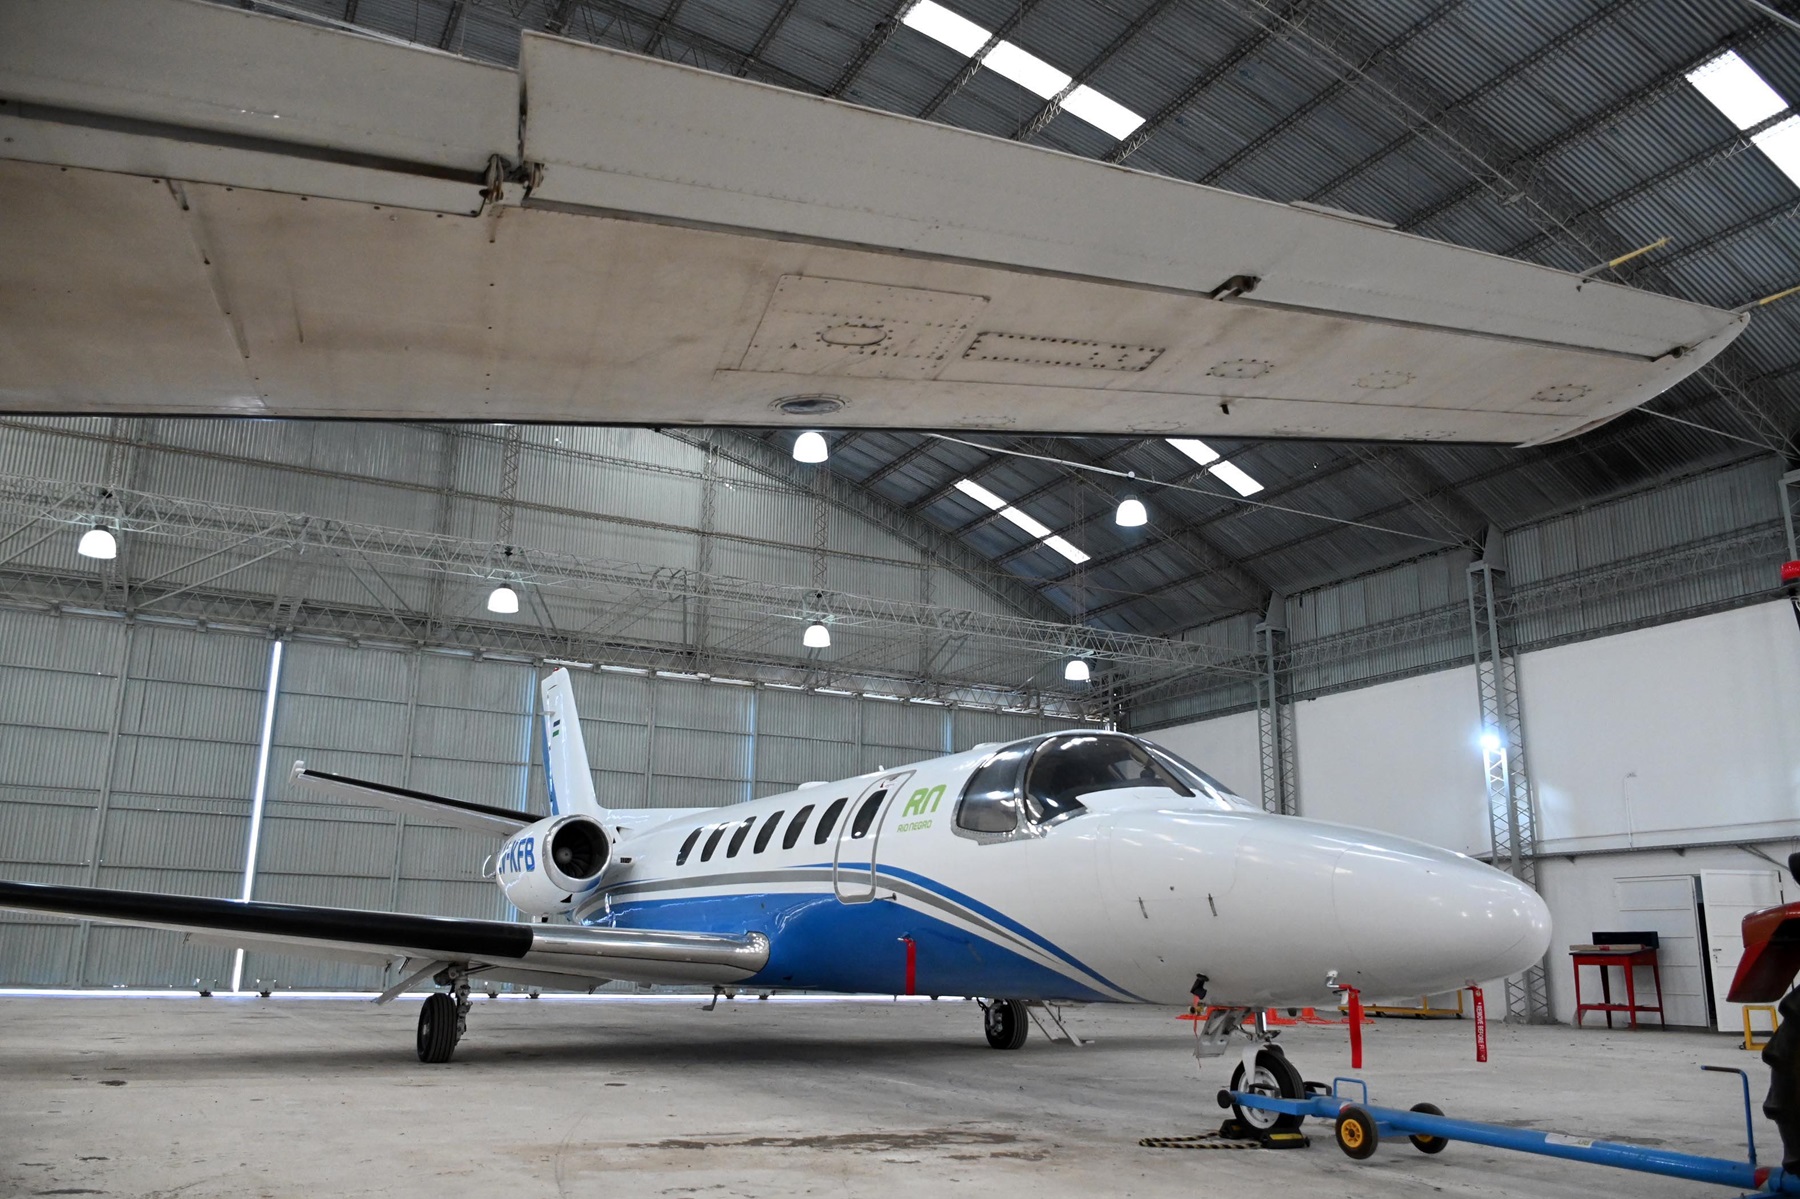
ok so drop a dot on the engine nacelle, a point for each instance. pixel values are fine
(547, 867)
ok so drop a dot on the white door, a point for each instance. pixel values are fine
(1728, 896)
(1664, 904)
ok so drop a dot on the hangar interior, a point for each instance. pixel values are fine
(1576, 660)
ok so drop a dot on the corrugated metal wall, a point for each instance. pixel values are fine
(126, 754)
(128, 758)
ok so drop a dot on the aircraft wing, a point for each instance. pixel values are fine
(457, 813)
(637, 955)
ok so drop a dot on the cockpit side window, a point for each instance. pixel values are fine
(990, 801)
(1068, 767)
(1202, 782)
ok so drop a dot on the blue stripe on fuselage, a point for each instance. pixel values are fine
(819, 943)
(993, 914)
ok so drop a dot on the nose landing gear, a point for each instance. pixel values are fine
(444, 1016)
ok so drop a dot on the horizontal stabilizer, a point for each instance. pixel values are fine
(439, 809)
(636, 955)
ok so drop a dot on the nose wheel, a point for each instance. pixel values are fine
(1006, 1023)
(1272, 1075)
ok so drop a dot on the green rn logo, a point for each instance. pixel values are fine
(922, 801)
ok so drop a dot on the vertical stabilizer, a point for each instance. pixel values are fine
(566, 773)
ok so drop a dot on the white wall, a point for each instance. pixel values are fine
(1682, 733)
(1402, 757)
(1226, 748)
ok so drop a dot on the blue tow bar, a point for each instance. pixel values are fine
(1360, 1127)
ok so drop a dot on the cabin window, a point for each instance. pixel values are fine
(687, 846)
(737, 838)
(792, 837)
(765, 832)
(712, 843)
(865, 815)
(1068, 767)
(990, 802)
(828, 821)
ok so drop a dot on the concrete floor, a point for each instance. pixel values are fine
(292, 1097)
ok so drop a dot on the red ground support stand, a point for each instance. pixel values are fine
(1630, 961)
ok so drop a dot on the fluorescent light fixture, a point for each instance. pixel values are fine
(1782, 144)
(980, 494)
(504, 600)
(98, 543)
(1102, 112)
(1235, 478)
(817, 636)
(1066, 550)
(941, 25)
(1026, 69)
(1196, 449)
(1035, 527)
(1076, 670)
(810, 447)
(1132, 513)
(1736, 90)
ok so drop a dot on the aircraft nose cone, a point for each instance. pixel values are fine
(1421, 920)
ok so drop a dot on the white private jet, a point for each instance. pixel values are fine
(1065, 867)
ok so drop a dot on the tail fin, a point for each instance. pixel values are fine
(566, 773)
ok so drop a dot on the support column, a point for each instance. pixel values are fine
(1275, 713)
(1512, 825)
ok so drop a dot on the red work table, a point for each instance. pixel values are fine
(1628, 958)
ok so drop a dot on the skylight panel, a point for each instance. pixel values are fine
(1736, 90)
(1782, 144)
(1068, 551)
(1026, 69)
(980, 494)
(1035, 528)
(1196, 449)
(1102, 112)
(941, 25)
(1234, 477)
(1021, 66)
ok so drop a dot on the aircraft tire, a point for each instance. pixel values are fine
(1006, 1023)
(1274, 1071)
(437, 1027)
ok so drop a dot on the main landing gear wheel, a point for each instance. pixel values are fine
(1274, 1075)
(1006, 1023)
(437, 1027)
(1425, 1144)
(1356, 1132)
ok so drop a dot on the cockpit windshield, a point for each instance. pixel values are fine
(1068, 767)
(1059, 770)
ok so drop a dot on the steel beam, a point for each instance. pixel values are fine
(1275, 714)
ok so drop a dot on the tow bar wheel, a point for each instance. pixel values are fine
(1425, 1144)
(1356, 1133)
(1275, 1076)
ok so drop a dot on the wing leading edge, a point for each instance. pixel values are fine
(637, 955)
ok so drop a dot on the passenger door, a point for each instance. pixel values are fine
(852, 877)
